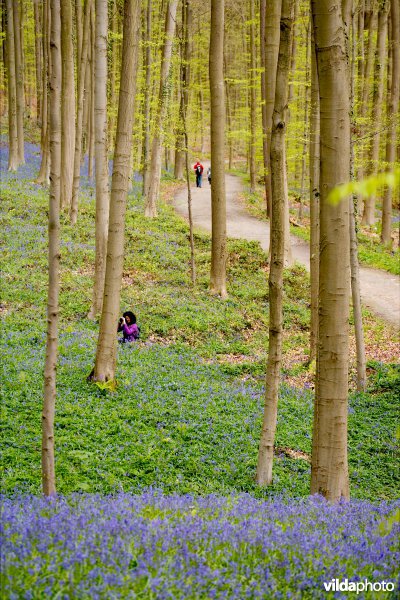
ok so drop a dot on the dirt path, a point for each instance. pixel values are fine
(380, 290)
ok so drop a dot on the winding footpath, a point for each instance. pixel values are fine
(380, 291)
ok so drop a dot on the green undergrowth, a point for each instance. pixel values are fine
(186, 414)
(371, 252)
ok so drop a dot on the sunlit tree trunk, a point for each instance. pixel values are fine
(264, 108)
(79, 117)
(102, 192)
(306, 117)
(354, 263)
(19, 75)
(49, 400)
(218, 197)
(275, 283)
(147, 97)
(67, 103)
(377, 101)
(13, 157)
(78, 30)
(329, 468)
(38, 58)
(90, 98)
(253, 99)
(366, 82)
(314, 200)
(44, 171)
(180, 152)
(155, 165)
(106, 356)
(271, 49)
(393, 108)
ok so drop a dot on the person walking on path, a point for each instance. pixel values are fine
(198, 169)
(209, 175)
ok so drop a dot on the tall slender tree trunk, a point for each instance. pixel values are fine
(354, 263)
(102, 192)
(147, 98)
(329, 467)
(253, 98)
(67, 103)
(180, 152)
(264, 108)
(44, 171)
(271, 49)
(306, 127)
(314, 199)
(218, 196)
(275, 283)
(393, 108)
(366, 82)
(114, 69)
(78, 30)
(90, 99)
(368, 217)
(38, 58)
(19, 74)
(79, 117)
(155, 165)
(13, 156)
(49, 400)
(106, 356)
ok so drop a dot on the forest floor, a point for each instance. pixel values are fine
(157, 497)
(380, 290)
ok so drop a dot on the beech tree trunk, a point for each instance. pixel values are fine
(393, 107)
(79, 118)
(147, 98)
(253, 100)
(218, 196)
(102, 191)
(38, 59)
(106, 356)
(181, 149)
(354, 263)
(19, 75)
(368, 217)
(155, 165)
(67, 103)
(44, 171)
(271, 49)
(13, 156)
(329, 467)
(275, 283)
(314, 200)
(264, 109)
(49, 400)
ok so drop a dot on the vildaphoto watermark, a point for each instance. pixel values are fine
(344, 585)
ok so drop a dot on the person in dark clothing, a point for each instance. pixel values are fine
(198, 169)
(209, 175)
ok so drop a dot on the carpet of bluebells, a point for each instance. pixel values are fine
(157, 546)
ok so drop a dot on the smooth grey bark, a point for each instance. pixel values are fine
(329, 465)
(218, 196)
(19, 76)
(393, 109)
(101, 173)
(67, 103)
(106, 355)
(44, 171)
(79, 117)
(49, 399)
(147, 98)
(275, 282)
(155, 165)
(13, 156)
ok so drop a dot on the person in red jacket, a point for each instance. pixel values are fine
(198, 169)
